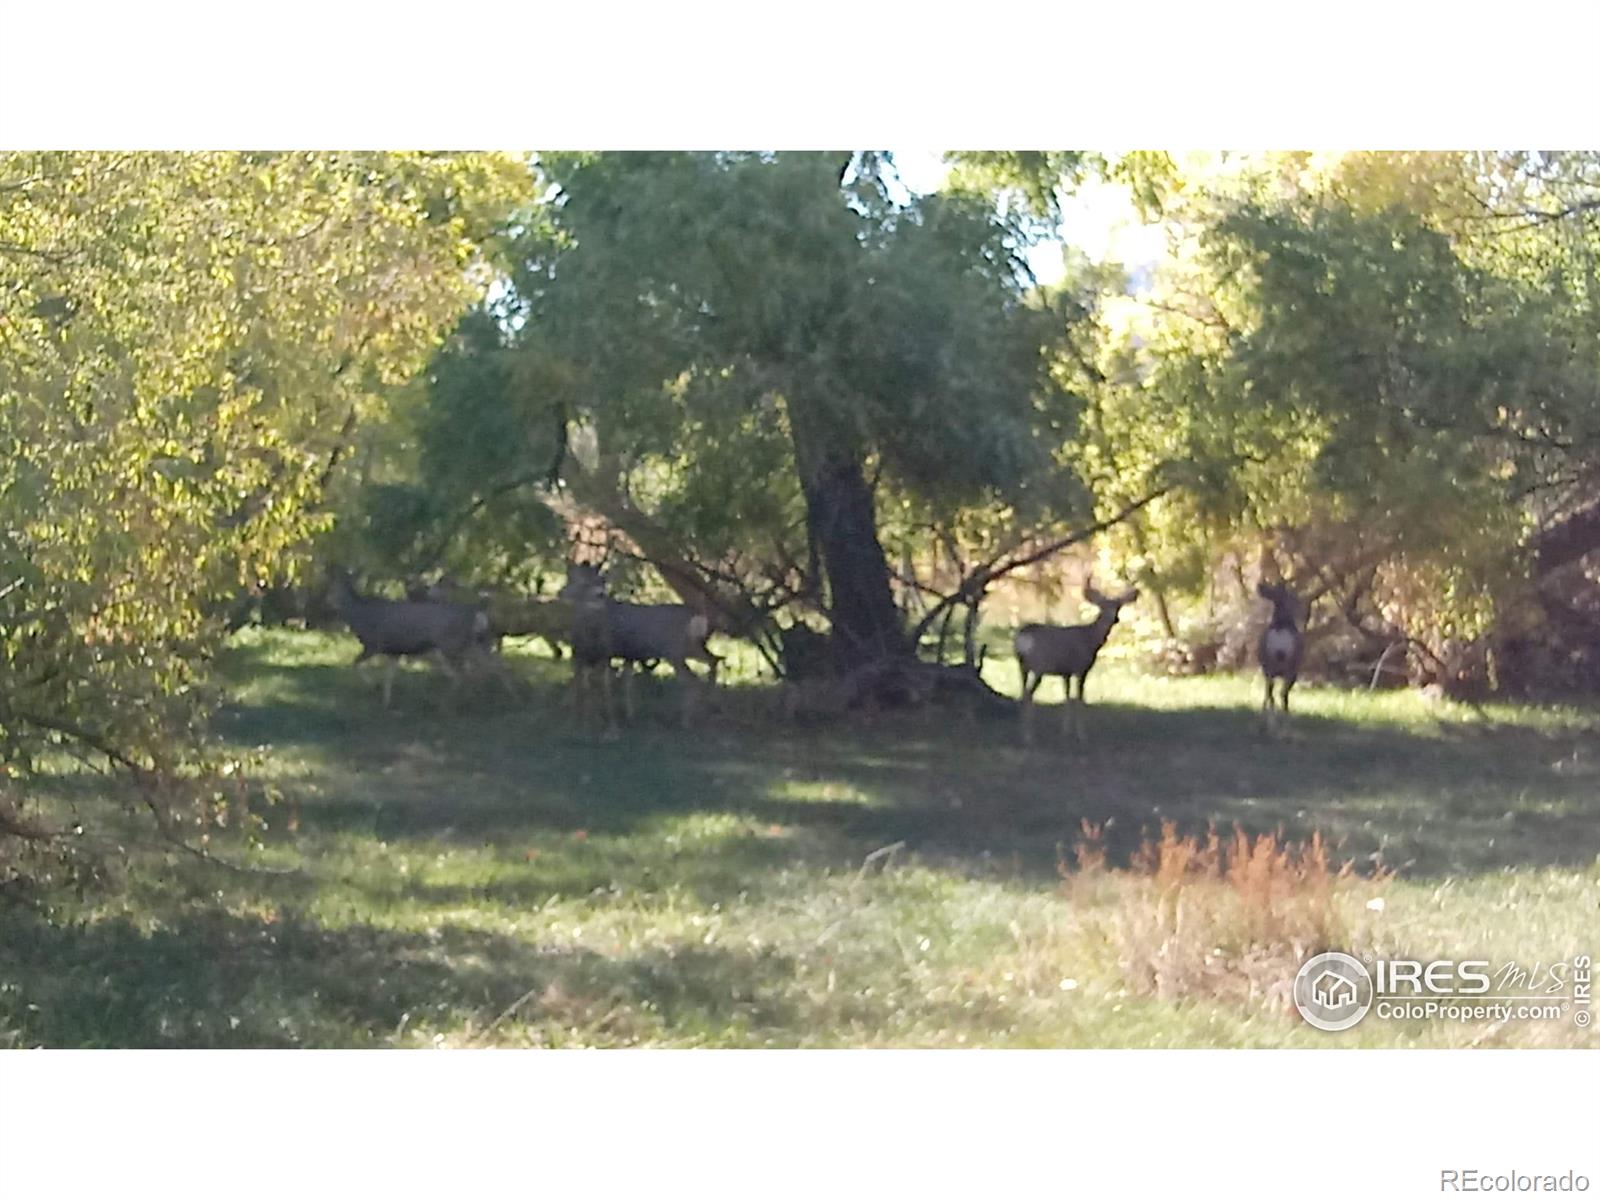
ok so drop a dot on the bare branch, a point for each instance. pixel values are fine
(14, 824)
(973, 585)
(92, 740)
(49, 256)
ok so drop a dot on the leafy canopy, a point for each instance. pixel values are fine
(711, 328)
(187, 342)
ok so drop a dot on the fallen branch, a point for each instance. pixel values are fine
(882, 853)
(502, 1018)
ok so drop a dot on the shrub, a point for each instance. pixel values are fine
(1229, 917)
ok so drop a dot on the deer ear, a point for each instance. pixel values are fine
(1091, 595)
(1263, 590)
(1133, 594)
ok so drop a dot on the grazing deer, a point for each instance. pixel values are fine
(604, 629)
(1281, 646)
(396, 629)
(1068, 651)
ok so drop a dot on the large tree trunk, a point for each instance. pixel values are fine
(841, 515)
(840, 508)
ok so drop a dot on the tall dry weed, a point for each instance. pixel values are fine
(1221, 916)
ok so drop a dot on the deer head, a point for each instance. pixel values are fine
(1109, 606)
(1285, 604)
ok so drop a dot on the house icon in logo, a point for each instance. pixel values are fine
(1333, 991)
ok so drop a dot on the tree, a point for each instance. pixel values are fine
(750, 352)
(188, 344)
(1367, 374)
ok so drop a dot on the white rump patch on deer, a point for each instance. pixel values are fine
(699, 627)
(1024, 643)
(1280, 643)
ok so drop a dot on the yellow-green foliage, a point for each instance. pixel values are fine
(1335, 363)
(187, 342)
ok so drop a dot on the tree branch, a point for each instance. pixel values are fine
(14, 824)
(93, 741)
(973, 586)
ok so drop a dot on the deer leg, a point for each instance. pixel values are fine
(1078, 709)
(628, 708)
(453, 675)
(1287, 685)
(495, 664)
(608, 717)
(583, 695)
(575, 693)
(594, 692)
(494, 654)
(1030, 684)
(388, 679)
(502, 672)
(708, 687)
(689, 682)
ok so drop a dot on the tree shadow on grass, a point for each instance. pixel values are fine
(1453, 798)
(216, 979)
(209, 979)
(718, 812)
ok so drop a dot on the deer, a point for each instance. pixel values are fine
(1068, 651)
(396, 629)
(527, 616)
(604, 629)
(510, 615)
(1280, 649)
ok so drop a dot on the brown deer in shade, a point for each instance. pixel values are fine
(396, 629)
(510, 614)
(1068, 651)
(1280, 649)
(604, 629)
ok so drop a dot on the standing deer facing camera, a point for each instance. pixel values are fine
(1281, 646)
(1068, 651)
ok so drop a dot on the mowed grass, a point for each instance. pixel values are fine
(493, 873)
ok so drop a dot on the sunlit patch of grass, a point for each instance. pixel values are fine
(824, 791)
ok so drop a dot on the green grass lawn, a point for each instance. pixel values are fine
(491, 873)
